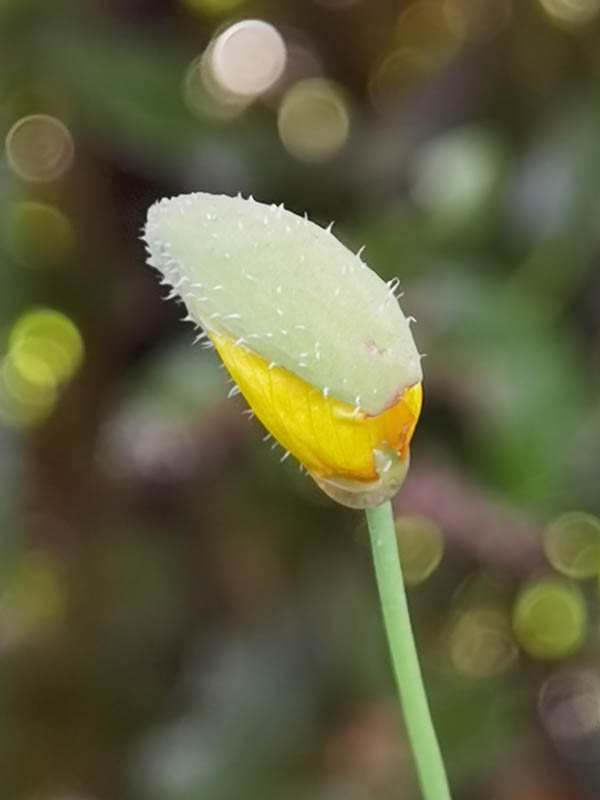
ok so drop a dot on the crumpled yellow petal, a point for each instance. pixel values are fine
(326, 435)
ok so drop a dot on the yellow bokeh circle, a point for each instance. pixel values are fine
(46, 347)
(313, 120)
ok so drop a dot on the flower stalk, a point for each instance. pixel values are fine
(405, 662)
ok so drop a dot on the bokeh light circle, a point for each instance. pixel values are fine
(572, 544)
(481, 643)
(248, 58)
(45, 347)
(420, 545)
(457, 173)
(313, 120)
(39, 148)
(37, 234)
(550, 618)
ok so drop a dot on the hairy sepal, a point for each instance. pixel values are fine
(288, 290)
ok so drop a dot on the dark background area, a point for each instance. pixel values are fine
(182, 616)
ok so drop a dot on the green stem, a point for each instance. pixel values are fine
(421, 733)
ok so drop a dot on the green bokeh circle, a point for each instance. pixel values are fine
(550, 618)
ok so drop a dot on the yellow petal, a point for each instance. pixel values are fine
(326, 435)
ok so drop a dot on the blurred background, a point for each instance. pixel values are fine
(183, 617)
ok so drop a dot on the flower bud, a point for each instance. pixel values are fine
(315, 340)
